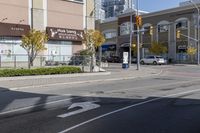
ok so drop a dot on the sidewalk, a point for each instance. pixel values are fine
(113, 73)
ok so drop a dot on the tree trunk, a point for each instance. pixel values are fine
(29, 64)
(30, 61)
(192, 58)
(91, 64)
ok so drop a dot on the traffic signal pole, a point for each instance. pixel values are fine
(131, 34)
(138, 38)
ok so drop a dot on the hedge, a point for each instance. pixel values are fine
(39, 71)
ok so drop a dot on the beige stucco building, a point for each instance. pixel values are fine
(63, 20)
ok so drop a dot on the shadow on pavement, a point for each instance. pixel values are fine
(164, 115)
(23, 102)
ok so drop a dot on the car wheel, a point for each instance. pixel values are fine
(155, 63)
(142, 62)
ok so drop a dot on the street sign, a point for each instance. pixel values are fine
(85, 106)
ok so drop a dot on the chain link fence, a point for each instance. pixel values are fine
(21, 61)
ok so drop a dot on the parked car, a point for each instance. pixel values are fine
(79, 60)
(114, 59)
(152, 59)
(55, 63)
(103, 59)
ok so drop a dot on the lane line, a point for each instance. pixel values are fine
(125, 108)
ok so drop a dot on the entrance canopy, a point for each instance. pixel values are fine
(125, 45)
(108, 47)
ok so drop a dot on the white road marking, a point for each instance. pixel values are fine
(125, 108)
(33, 106)
(85, 106)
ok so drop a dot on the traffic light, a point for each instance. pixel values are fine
(151, 30)
(138, 20)
(178, 34)
(133, 45)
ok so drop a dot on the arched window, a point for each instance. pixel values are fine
(182, 23)
(163, 26)
(146, 28)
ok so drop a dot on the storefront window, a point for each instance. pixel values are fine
(162, 28)
(56, 50)
(11, 46)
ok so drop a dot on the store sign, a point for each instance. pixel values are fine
(7, 29)
(64, 34)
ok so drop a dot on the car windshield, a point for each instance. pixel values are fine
(159, 57)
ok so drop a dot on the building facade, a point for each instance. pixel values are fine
(109, 30)
(64, 21)
(161, 27)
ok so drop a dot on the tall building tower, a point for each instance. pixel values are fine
(99, 12)
(113, 8)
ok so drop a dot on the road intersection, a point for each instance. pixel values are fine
(164, 103)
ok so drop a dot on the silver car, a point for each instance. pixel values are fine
(152, 59)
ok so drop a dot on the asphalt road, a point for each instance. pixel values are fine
(167, 103)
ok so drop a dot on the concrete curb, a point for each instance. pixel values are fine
(54, 76)
(195, 65)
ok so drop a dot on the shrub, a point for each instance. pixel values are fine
(39, 71)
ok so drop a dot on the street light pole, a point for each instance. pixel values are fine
(138, 40)
(197, 30)
(31, 14)
(30, 63)
(86, 15)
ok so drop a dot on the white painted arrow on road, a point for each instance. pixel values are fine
(85, 106)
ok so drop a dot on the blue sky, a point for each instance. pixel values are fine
(156, 5)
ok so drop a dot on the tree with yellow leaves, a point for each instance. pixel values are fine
(93, 39)
(157, 48)
(33, 43)
(191, 51)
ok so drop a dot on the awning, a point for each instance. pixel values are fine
(125, 45)
(108, 47)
